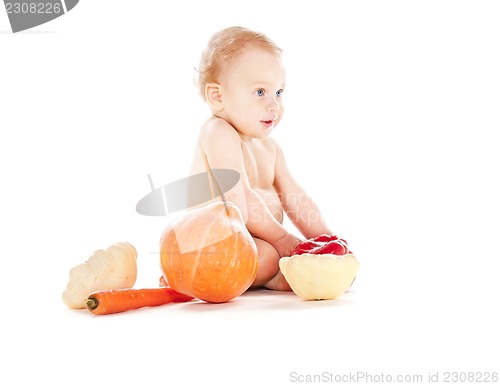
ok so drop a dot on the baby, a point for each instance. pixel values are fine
(242, 79)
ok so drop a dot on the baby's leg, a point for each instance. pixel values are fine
(269, 274)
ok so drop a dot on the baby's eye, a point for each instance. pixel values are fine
(279, 92)
(260, 92)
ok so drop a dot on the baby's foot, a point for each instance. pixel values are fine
(278, 283)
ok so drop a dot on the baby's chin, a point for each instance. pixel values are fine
(266, 128)
(254, 134)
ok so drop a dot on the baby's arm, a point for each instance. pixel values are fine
(222, 146)
(298, 205)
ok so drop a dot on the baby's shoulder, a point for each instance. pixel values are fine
(217, 128)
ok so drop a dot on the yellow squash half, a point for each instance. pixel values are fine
(319, 277)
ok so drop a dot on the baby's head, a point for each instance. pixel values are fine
(242, 77)
(226, 45)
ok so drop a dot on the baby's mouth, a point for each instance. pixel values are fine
(268, 123)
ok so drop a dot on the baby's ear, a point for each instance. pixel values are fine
(213, 96)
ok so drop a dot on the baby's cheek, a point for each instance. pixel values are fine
(280, 113)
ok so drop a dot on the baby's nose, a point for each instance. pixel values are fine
(274, 105)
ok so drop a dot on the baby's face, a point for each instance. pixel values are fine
(251, 92)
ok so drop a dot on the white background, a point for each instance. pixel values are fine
(391, 124)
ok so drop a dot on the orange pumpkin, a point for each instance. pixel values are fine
(209, 254)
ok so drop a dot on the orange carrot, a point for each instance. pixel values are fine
(126, 299)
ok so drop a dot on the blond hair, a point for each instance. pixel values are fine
(224, 46)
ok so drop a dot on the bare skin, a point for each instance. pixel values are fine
(246, 105)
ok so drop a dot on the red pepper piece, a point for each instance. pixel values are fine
(324, 238)
(343, 242)
(305, 246)
(332, 247)
(322, 244)
(347, 250)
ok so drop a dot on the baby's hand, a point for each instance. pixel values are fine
(286, 245)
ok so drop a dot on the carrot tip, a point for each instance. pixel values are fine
(92, 303)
